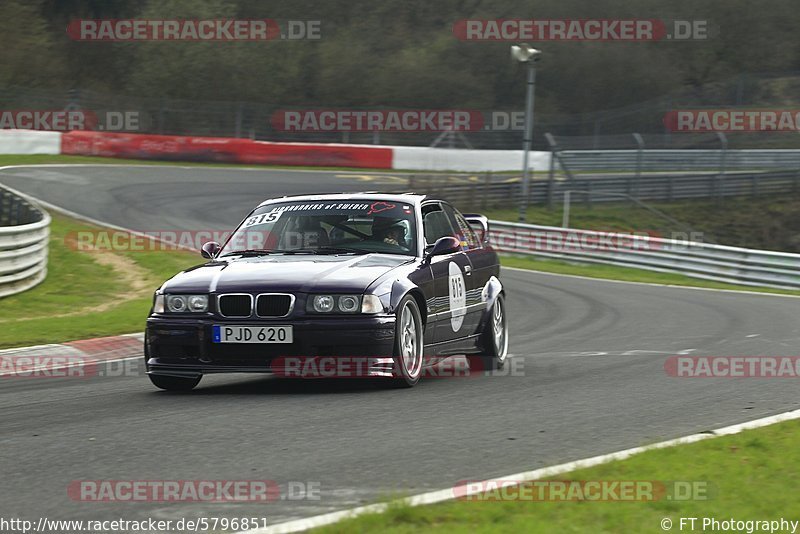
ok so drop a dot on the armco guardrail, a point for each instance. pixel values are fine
(484, 193)
(680, 159)
(700, 260)
(24, 238)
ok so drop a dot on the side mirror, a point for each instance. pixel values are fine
(445, 245)
(210, 249)
(479, 223)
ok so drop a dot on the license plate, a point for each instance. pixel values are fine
(252, 334)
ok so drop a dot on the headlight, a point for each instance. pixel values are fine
(198, 303)
(348, 303)
(186, 303)
(344, 304)
(176, 303)
(323, 303)
(158, 303)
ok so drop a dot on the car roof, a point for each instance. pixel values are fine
(408, 198)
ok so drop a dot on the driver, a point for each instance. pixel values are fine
(390, 231)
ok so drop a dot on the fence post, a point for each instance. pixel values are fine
(487, 181)
(639, 153)
(551, 179)
(723, 140)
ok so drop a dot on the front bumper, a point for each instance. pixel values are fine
(183, 347)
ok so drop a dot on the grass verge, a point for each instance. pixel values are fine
(770, 222)
(748, 476)
(87, 294)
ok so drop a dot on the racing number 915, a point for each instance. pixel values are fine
(457, 284)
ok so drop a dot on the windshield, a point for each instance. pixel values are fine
(326, 227)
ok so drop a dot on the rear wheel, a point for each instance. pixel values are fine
(174, 383)
(408, 343)
(495, 338)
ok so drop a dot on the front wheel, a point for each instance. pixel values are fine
(495, 338)
(408, 344)
(175, 383)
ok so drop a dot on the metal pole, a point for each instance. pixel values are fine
(723, 139)
(565, 215)
(551, 180)
(639, 153)
(526, 175)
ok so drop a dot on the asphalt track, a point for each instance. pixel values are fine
(589, 356)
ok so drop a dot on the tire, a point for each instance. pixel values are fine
(408, 344)
(495, 338)
(174, 383)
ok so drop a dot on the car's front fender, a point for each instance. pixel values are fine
(491, 290)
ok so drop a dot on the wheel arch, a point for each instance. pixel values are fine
(401, 288)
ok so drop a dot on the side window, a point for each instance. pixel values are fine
(435, 223)
(465, 233)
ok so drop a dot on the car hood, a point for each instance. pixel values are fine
(286, 273)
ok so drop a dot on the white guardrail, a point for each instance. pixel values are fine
(721, 263)
(24, 238)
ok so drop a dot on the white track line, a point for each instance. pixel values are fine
(433, 497)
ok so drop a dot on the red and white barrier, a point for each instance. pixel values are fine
(223, 149)
(419, 158)
(29, 142)
(234, 150)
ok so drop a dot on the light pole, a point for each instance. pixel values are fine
(526, 54)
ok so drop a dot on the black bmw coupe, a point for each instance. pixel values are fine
(365, 284)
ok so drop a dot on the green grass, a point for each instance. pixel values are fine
(78, 284)
(767, 222)
(750, 475)
(612, 272)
